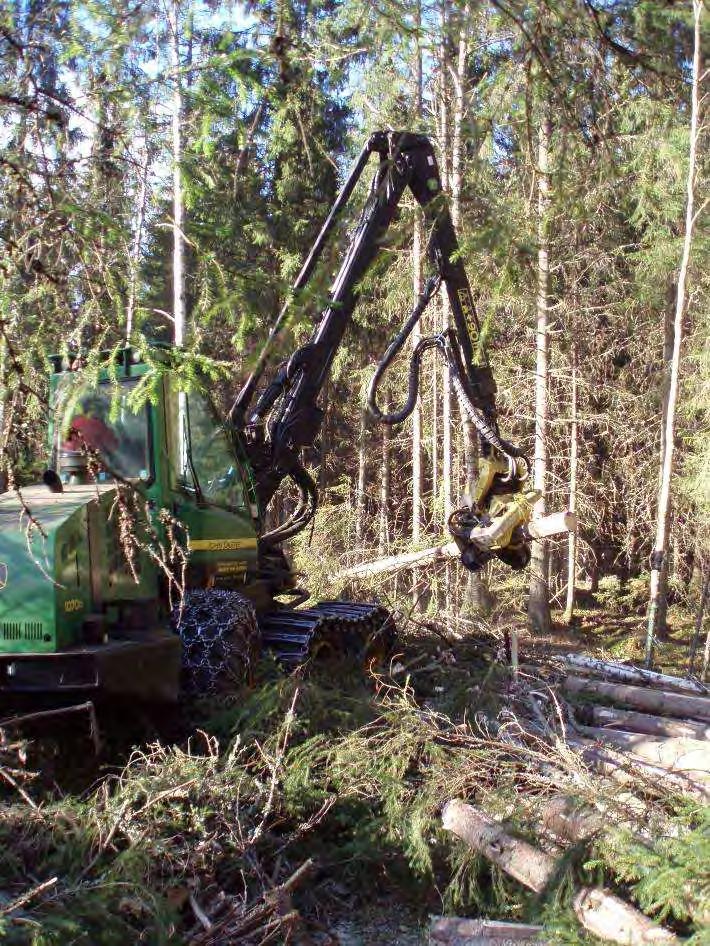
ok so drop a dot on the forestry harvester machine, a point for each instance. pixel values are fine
(82, 611)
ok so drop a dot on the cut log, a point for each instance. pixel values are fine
(629, 770)
(621, 673)
(567, 819)
(454, 931)
(651, 701)
(608, 917)
(527, 864)
(690, 756)
(608, 717)
(534, 869)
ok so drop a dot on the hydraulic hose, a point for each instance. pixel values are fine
(396, 417)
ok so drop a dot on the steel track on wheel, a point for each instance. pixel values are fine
(363, 631)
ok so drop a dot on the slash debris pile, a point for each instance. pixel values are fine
(309, 797)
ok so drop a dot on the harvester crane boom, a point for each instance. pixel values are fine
(286, 417)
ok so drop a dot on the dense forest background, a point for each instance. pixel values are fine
(165, 167)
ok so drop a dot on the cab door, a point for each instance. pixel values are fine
(210, 494)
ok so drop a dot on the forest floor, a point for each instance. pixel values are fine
(345, 770)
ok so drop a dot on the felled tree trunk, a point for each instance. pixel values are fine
(630, 770)
(454, 931)
(527, 864)
(658, 702)
(534, 869)
(608, 917)
(608, 717)
(691, 756)
(634, 675)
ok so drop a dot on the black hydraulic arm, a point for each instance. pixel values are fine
(286, 417)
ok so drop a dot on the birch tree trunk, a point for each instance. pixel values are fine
(178, 203)
(385, 481)
(135, 255)
(658, 582)
(539, 599)
(446, 445)
(417, 247)
(572, 502)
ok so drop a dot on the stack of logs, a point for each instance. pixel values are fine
(657, 731)
(660, 722)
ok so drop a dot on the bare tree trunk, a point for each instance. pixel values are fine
(446, 418)
(385, 480)
(178, 203)
(361, 480)
(417, 249)
(539, 599)
(658, 583)
(573, 461)
(135, 256)
(477, 597)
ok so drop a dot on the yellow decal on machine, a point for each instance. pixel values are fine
(221, 545)
(231, 568)
(466, 303)
(72, 605)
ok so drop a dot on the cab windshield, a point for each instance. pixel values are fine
(99, 418)
(202, 457)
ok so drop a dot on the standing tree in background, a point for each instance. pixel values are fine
(178, 227)
(539, 599)
(658, 584)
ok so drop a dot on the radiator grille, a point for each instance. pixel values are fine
(11, 630)
(33, 631)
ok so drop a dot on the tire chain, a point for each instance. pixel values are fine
(220, 639)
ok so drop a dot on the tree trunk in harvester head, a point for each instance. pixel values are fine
(539, 599)
(658, 583)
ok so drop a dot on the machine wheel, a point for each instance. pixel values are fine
(220, 638)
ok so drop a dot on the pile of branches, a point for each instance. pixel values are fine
(215, 843)
(182, 841)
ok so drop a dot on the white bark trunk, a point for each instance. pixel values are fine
(385, 470)
(608, 917)
(539, 600)
(417, 249)
(361, 476)
(635, 675)
(134, 262)
(657, 590)
(178, 203)
(535, 869)
(573, 461)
